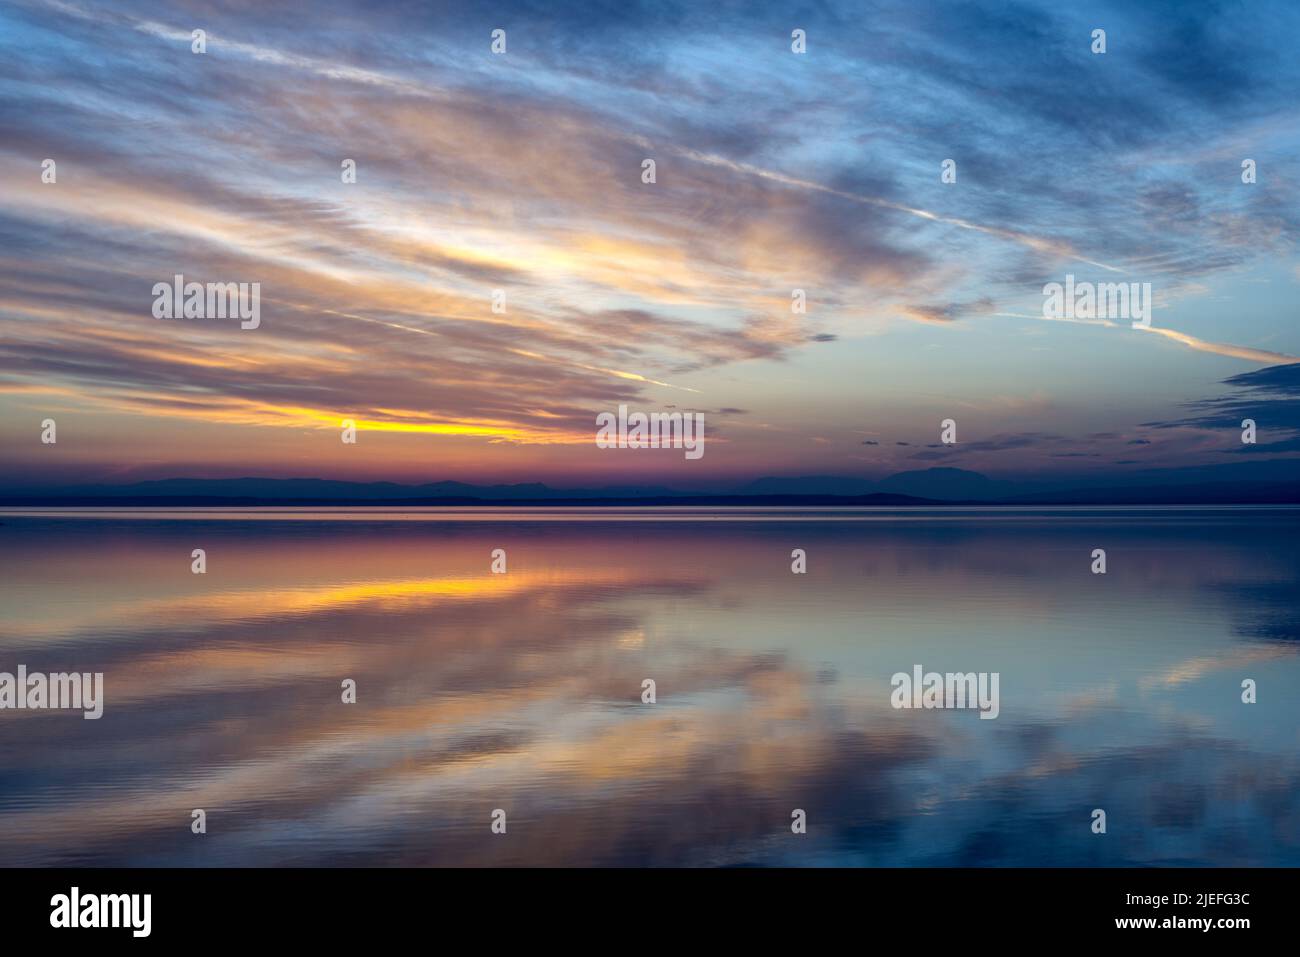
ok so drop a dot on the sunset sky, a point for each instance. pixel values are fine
(522, 171)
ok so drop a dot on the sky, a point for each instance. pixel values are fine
(522, 172)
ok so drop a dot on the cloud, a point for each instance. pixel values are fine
(949, 312)
(1270, 397)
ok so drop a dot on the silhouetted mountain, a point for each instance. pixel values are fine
(327, 490)
(1274, 482)
(947, 484)
(1207, 493)
(810, 485)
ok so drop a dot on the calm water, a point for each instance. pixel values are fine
(522, 691)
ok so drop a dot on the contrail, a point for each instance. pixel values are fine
(1056, 247)
(1200, 345)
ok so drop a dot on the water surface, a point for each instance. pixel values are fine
(523, 691)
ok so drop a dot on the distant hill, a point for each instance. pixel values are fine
(947, 484)
(325, 490)
(1271, 482)
(810, 485)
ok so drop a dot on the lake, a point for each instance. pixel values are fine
(518, 697)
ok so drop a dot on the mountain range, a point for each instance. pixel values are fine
(1268, 482)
